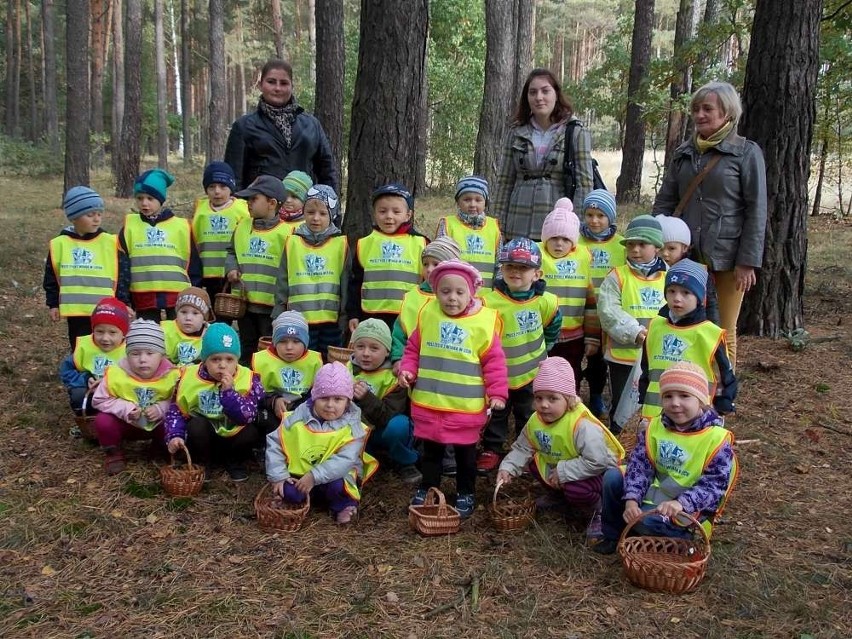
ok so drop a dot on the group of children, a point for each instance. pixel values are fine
(450, 338)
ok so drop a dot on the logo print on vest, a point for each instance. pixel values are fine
(208, 403)
(475, 244)
(544, 441)
(566, 268)
(186, 353)
(672, 457)
(651, 297)
(600, 258)
(314, 264)
(219, 223)
(391, 251)
(452, 335)
(257, 247)
(673, 346)
(155, 236)
(291, 379)
(144, 396)
(528, 321)
(99, 365)
(81, 256)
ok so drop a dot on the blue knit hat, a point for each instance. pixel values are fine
(395, 189)
(690, 275)
(472, 184)
(80, 200)
(644, 228)
(520, 250)
(219, 338)
(297, 184)
(602, 200)
(219, 173)
(290, 324)
(154, 182)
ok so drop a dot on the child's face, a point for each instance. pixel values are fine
(218, 194)
(390, 212)
(596, 220)
(290, 349)
(292, 204)
(144, 362)
(220, 364)
(673, 252)
(471, 203)
(147, 205)
(680, 407)
(369, 353)
(330, 408)
(519, 277)
(317, 216)
(429, 264)
(262, 207)
(107, 337)
(640, 252)
(453, 295)
(550, 406)
(189, 319)
(680, 300)
(559, 246)
(88, 223)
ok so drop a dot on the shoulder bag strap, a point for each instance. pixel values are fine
(698, 179)
(569, 176)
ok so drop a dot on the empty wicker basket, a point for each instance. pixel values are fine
(231, 306)
(276, 515)
(511, 514)
(434, 517)
(339, 354)
(263, 343)
(184, 480)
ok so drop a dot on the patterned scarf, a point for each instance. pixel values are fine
(282, 117)
(603, 236)
(473, 220)
(648, 268)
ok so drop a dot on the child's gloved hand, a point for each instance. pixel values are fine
(175, 444)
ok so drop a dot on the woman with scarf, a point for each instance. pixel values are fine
(279, 136)
(717, 183)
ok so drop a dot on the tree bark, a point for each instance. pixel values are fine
(131, 126)
(524, 42)
(312, 39)
(683, 71)
(99, 15)
(13, 61)
(629, 183)
(51, 107)
(77, 105)
(185, 81)
(386, 107)
(34, 127)
(217, 125)
(278, 29)
(162, 89)
(330, 65)
(787, 35)
(117, 82)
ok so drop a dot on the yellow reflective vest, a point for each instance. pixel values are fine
(479, 247)
(159, 254)
(380, 381)
(86, 271)
(391, 268)
(314, 274)
(181, 349)
(276, 375)
(259, 256)
(569, 279)
(412, 304)
(213, 232)
(606, 256)
(197, 396)
(641, 298)
(91, 359)
(142, 392)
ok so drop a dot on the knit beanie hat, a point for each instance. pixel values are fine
(602, 200)
(374, 329)
(297, 184)
(290, 324)
(112, 311)
(456, 267)
(686, 377)
(644, 228)
(154, 182)
(324, 194)
(219, 338)
(333, 380)
(556, 375)
(219, 173)
(472, 184)
(690, 275)
(442, 248)
(395, 189)
(145, 334)
(197, 298)
(80, 200)
(674, 230)
(520, 250)
(561, 222)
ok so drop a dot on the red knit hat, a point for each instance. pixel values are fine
(456, 267)
(556, 375)
(111, 310)
(686, 377)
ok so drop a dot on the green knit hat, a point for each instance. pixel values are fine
(219, 338)
(374, 329)
(644, 228)
(297, 184)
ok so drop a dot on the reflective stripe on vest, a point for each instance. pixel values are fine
(259, 257)
(523, 332)
(197, 396)
(142, 392)
(181, 349)
(641, 299)
(213, 232)
(278, 376)
(391, 268)
(159, 254)
(667, 344)
(479, 247)
(86, 271)
(450, 374)
(314, 273)
(91, 359)
(605, 257)
(569, 279)
(412, 304)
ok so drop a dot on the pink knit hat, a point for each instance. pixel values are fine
(688, 378)
(561, 222)
(556, 375)
(456, 267)
(333, 380)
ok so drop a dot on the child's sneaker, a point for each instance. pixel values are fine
(487, 461)
(594, 531)
(605, 546)
(465, 504)
(347, 515)
(419, 497)
(237, 472)
(409, 474)
(114, 463)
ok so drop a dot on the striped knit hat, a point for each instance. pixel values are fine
(145, 334)
(602, 200)
(297, 184)
(80, 200)
(690, 275)
(472, 184)
(290, 324)
(442, 248)
(644, 228)
(686, 377)
(556, 375)
(674, 230)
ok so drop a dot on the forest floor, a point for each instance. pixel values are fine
(85, 555)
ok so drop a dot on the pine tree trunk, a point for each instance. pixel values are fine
(186, 82)
(312, 39)
(118, 86)
(787, 34)
(278, 30)
(51, 106)
(330, 68)
(217, 108)
(98, 12)
(705, 55)
(162, 89)
(13, 115)
(34, 127)
(677, 118)
(131, 127)
(524, 42)
(77, 105)
(629, 183)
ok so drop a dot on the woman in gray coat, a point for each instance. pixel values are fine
(726, 213)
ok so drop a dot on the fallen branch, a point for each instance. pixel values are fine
(835, 429)
(458, 601)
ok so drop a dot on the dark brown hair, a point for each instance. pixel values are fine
(562, 110)
(274, 64)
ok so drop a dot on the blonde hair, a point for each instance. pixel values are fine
(729, 99)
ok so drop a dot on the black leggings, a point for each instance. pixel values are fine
(432, 466)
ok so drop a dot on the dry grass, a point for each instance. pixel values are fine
(83, 555)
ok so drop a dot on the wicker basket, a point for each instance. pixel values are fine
(276, 515)
(86, 426)
(263, 343)
(340, 354)
(182, 481)
(511, 514)
(665, 564)
(231, 306)
(434, 517)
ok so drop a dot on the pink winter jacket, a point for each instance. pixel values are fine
(121, 408)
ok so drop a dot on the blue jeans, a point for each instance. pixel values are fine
(397, 439)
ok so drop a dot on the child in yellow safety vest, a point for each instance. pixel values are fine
(213, 222)
(184, 333)
(314, 271)
(477, 233)
(163, 258)
(683, 462)
(319, 448)
(630, 296)
(563, 445)
(296, 184)
(134, 394)
(456, 369)
(254, 257)
(216, 404)
(386, 264)
(84, 264)
(287, 369)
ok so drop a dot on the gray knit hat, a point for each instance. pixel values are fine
(290, 324)
(145, 334)
(442, 248)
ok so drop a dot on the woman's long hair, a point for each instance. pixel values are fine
(562, 110)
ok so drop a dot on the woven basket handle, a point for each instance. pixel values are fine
(497, 488)
(692, 521)
(188, 458)
(433, 496)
